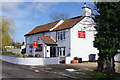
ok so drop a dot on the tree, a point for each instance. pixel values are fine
(7, 31)
(107, 38)
(55, 16)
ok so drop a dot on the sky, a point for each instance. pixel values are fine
(28, 15)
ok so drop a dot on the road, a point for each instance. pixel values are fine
(19, 71)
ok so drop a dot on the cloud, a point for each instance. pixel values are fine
(36, 16)
(24, 14)
(21, 10)
(12, 9)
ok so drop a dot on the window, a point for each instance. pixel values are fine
(39, 48)
(61, 35)
(61, 51)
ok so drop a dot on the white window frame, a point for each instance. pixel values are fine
(61, 52)
(61, 35)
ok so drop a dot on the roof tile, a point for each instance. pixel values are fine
(68, 23)
(42, 28)
(47, 40)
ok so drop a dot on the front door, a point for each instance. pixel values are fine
(52, 51)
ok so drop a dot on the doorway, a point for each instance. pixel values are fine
(52, 51)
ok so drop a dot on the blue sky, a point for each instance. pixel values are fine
(28, 15)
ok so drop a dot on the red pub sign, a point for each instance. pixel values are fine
(81, 34)
(35, 44)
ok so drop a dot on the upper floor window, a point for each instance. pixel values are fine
(61, 35)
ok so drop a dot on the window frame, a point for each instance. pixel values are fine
(61, 35)
(61, 51)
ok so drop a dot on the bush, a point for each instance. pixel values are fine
(76, 58)
(23, 51)
(37, 55)
(17, 54)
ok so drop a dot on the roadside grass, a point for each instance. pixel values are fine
(11, 54)
(102, 76)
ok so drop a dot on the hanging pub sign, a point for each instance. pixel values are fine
(35, 44)
(81, 34)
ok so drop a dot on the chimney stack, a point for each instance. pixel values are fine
(84, 4)
(86, 11)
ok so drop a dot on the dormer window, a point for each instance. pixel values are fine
(61, 35)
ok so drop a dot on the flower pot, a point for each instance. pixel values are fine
(25, 55)
(74, 61)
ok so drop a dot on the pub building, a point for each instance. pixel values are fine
(65, 39)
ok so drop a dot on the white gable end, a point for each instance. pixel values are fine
(83, 47)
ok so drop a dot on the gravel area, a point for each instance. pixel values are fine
(88, 66)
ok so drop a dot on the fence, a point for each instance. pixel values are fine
(30, 61)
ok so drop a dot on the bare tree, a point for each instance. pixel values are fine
(55, 16)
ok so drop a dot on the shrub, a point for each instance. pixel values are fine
(76, 58)
(17, 54)
(23, 51)
(37, 55)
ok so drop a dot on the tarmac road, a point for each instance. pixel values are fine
(13, 71)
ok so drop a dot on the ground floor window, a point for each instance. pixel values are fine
(61, 51)
(40, 47)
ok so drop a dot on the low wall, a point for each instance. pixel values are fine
(68, 60)
(30, 61)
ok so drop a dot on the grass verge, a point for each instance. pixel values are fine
(11, 54)
(102, 76)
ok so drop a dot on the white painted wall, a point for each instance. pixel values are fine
(30, 61)
(82, 47)
(86, 11)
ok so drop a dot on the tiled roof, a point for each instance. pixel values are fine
(47, 40)
(68, 23)
(42, 28)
